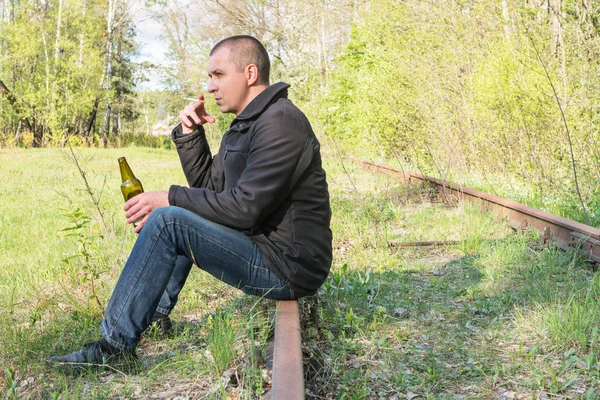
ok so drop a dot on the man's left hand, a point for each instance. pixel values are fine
(139, 208)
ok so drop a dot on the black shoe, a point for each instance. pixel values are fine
(162, 322)
(93, 355)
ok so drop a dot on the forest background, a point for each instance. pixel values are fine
(503, 95)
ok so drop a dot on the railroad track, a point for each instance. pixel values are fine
(288, 376)
(553, 228)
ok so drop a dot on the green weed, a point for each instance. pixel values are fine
(11, 384)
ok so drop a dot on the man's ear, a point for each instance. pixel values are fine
(251, 74)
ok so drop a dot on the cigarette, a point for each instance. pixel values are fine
(193, 99)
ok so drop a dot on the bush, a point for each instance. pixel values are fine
(459, 88)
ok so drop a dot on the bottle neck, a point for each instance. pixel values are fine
(126, 172)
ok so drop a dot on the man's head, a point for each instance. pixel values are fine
(239, 69)
(246, 50)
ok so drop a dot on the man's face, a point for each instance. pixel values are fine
(229, 86)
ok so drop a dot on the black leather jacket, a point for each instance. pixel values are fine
(266, 180)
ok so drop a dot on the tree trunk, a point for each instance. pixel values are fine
(91, 120)
(115, 123)
(18, 130)
(15, 104)
(107, 83)
(147, 122)
(38, 136)
(8, 11)
(57, 41)
(106, 125)
(82, 33)
(554, 11)
(506, 18)
(52, 99)
(118, 38)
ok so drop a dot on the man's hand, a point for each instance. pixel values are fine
(194, 114)
(139, 208)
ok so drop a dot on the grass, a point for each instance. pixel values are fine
(486, 317)
(483, 318)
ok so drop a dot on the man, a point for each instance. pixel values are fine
(256, 215)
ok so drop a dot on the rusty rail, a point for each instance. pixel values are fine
(564, 232)
(288, 375)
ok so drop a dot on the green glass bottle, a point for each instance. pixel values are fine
(130, 186)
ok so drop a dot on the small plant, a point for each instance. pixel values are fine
(11, 384)
(85, 258)
(221, 339)
(575, 323)
(75, 159)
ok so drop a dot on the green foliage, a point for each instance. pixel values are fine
(154, 141)
(86, 263)
(11, 384)
(57, 75)
(221, 339)
(577, 322)
(458, 88)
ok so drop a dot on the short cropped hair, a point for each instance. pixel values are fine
(246, 50)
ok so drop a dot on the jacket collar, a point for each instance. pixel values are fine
(260, 103)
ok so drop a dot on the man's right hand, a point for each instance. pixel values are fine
(194, 114)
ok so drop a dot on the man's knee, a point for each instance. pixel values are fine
(165, 215)
(172, 216)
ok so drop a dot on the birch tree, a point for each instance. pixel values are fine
(54, 82)
(110, 20)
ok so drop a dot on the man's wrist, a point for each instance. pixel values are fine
(178, 136)
(186, 131)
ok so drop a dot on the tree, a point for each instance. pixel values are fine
(55, 78)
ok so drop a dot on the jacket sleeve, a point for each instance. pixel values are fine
(279, 141)
(195, 156)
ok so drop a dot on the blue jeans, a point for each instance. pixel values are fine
(171, 240)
